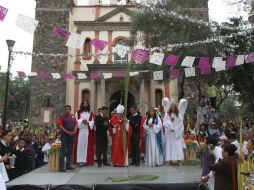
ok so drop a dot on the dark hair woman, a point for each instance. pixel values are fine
(225, 176)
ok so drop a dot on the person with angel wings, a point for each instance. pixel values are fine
(173, 124)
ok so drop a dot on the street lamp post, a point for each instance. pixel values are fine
(251, 15)
(10, 44)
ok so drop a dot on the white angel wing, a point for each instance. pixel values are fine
(165, 104)
(182, 106)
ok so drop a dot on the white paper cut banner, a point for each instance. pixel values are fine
(81, 75)
(157, 58)
(107, 75)
(190, 72)
(188, 61)
(56, 75)
(75, 41)
(134, 73)
(216, 61)
(220, 66)
(158, 75)
(32, 74)
(121, 50)
(240, 59)
(26, 23)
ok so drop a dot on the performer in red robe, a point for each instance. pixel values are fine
(118, 156)
(85, 136)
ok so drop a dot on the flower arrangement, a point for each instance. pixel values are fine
(55, 147)
(191, 144)
(54, 152)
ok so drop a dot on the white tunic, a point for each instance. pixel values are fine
(83, 136)
(3, 176)
(153, 157)
(174, 140)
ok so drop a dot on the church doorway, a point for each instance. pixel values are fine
(118, 98)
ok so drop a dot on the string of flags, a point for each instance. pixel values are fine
(204, 66)
(75, 40)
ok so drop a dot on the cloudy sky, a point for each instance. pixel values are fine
(219, 11)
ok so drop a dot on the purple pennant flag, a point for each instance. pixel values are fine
(249, 58)
(174, 74)
(99, 44)
(94, 75)
(3, 12)
(44, 74)
(231, 61)
(68, 76)
(204, 66)
(61, 32)
(21, 74)
(139, 55)
(172, 60)
(119, 74)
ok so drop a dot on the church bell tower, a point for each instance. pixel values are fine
(49, 92)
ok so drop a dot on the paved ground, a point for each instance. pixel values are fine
(95, 175)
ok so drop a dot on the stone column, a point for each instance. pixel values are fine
(142, 98)
(152, 93)
(103, 92)
(92, 96)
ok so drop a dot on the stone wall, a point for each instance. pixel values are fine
(49, 92)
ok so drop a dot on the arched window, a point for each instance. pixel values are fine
(85, 95)
(117, 58)
(158, 98)
(87, 49)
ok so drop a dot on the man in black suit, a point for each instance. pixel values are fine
(135, 123)
(20, 158)
(102, 123)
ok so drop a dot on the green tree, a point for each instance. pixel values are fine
(18, 97)
(160, 30)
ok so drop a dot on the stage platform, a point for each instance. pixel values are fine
(95, 175)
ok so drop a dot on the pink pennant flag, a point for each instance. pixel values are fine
(94, 75)
(119, 74)
(68, 76)
(3, 12)
(172, 60)
(61, 32)
(99, 44)
(140, 55)
(231, 61)
(204, 66)
(174, 74)
(44, 75)
(21, 74)
(249, 58)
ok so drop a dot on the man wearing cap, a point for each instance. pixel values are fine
(118, 121)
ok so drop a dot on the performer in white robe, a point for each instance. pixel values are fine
(85, 120)
(3, 174)
(173, 124)
(153, 139)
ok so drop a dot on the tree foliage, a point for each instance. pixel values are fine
(160, 30)
(18, 97)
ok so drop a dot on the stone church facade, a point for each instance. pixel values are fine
(94, 21)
